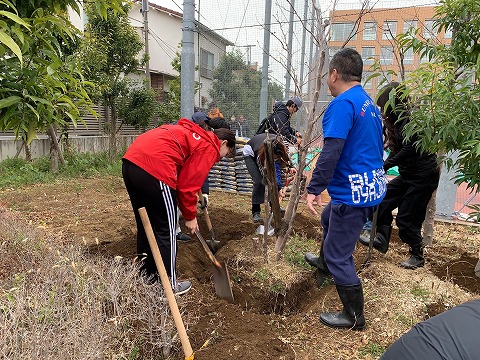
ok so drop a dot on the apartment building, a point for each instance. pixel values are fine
(373, 36)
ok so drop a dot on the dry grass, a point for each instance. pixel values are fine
(63, 304)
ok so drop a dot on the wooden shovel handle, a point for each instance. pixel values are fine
(205, 212)
(167, 287)
(207, 249)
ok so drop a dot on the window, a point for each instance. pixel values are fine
(206, 64)
(386, 55)
(448, 34)
(332, 51)
(389, 30)
(409, 26)
(429, 30)
(384, 80)
(367, 84)
(408, 57)
(369, 30)
(368, 54)
(342, 31)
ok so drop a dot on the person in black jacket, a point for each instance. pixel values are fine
(279, 121)
(410, 191)
(254, 157)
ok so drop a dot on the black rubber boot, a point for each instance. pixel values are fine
(352, 315)
(381, 240)
(324, 277)
(416, 258)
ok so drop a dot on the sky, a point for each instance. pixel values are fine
(241, 22)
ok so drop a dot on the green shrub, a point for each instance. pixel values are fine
(18, 172)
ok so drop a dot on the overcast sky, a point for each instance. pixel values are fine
(241, 22)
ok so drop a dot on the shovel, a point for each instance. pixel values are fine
(213, 244)
(223, 289)
(373, 232)
(167, 287)
(261, 228)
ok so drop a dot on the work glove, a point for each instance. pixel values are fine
(205, 201)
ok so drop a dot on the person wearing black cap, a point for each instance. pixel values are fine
(205, 122)
(279, 120)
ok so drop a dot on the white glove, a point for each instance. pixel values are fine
(205, 202)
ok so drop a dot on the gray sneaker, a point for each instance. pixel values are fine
(257, 218)
(183, 237)
(182, 287)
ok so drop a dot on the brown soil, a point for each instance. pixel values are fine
(262, 323)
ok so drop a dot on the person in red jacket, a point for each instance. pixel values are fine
(165, 166)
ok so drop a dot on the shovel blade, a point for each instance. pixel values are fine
(223, 289)
(261, 230)
(214, 245)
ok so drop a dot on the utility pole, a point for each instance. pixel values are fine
(289, 51)
(187, 86)
(304, 35)
(266, 57)
(199, 77)
(145, 30)
(311, 66)
(302, 62)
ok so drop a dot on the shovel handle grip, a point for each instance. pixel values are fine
(167, 287)
(207, 215)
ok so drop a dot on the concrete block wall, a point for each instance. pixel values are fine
(41, 147)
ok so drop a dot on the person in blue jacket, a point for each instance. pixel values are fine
(350, 166)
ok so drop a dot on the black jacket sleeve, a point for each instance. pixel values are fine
(325, 167)
(407, 151)
(281, 125)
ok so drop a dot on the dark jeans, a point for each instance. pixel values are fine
(411, 196)
(258, 192)
(342, 225)
(160, 201)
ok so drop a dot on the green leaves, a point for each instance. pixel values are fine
(6, 40)
(40, 82)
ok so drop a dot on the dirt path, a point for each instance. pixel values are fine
(97, 213)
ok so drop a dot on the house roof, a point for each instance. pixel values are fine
(201, 28)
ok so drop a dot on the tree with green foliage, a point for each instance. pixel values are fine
(110, 51)
(446, 92)
(41, 83)
(169, 109)
(236, 88)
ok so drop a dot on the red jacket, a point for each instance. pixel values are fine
(180, 156)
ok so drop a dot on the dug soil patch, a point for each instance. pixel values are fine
(275, 314)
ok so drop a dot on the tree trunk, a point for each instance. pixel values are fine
(287, 224)
(28, 153)
(112, 148)
(55, 152)
(429, 221)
